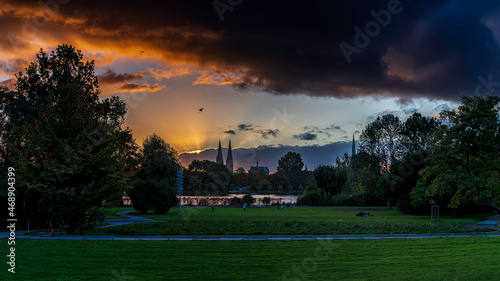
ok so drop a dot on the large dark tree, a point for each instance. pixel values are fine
(464, 165)
(156, 189)
(329, 179)
(379, 138)
(67, 146)
(417, 133)
(159, 160)
(291, 166)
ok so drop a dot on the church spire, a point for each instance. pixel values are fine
(219, 158)
(229, 159)
(353, 146)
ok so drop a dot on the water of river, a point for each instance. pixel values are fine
(219, 200)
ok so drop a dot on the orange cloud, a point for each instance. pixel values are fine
(110, 77)
(217, 79)
(134, 87)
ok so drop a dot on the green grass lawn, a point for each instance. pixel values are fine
(300, 220)
(305, 214)
(473, 258)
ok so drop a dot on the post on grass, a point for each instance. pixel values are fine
(435, 213)
(179, 191)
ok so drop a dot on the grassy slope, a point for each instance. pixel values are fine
(414, 259)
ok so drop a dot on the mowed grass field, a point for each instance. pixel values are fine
(472, 258)
(296, 220)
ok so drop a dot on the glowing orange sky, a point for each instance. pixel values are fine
(165, 71)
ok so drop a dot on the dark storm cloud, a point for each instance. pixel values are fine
(245, 127)
(336, 129)
(311, 130)
(306, 136)
(266, 133)
(110, 77)
(433, 48)
(230, 132)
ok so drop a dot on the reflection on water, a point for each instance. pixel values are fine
(226, 200)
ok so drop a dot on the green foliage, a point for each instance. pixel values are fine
(379, 139)
(159, 161)
(329, 179)
(248, 200)
(153, 195)
(266, 200)
(463, 169)
(156, 189)
(313, 196)
(236, 201)
(240, 177)
(204, 177)
(387, 143)
(402, 179)
(417, 133)
(69, 150)
(291, 166)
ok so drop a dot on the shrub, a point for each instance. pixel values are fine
(235, 201)
(248, 199)
(151, 195)
(313, 196)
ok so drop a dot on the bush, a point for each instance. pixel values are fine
(357, 199)
(313, 196)
(266, 200)
(151, 195)
(235, 201)
(248, 199)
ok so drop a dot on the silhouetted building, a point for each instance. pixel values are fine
(219, 159)
(229, 159)
(257, 169)
(353, 146)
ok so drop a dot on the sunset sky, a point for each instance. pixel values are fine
(266, 73)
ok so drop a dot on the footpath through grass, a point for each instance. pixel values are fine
(111, 212)
(473, 258)
(296, 220)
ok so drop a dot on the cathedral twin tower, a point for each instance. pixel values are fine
(229, 159)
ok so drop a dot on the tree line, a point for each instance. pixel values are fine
(451, 161)
(73, 156)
